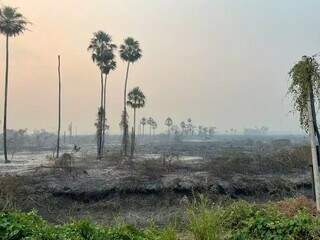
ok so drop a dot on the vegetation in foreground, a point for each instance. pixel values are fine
(288, 219)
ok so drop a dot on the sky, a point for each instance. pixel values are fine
(222, 63)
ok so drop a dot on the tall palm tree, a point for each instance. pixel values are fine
(102, 53)
(168, 122)
(130, 52)
(12, 24)
(143, 122)
(305, 89)
(136, 100)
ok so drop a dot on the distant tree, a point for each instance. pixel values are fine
(212, 131)
(305, 89)
(200, 130)
(16, 141)
(143, 122)
(12, 24)
(154, 127)
(136, 100)
(102, 53)
(70, 130)
(189, 126)
(168, 122)
(150, 122)
(130, 52)
(183, 127)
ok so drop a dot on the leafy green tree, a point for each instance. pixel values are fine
(136, 100)
(305, 89)
(130, 52)
(12, 24)
(102, 53)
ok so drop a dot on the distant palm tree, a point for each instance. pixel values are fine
(12, 24)
(168, 122)
(154, 127)
(183, 127)
(101, 48)
(150, 122)
(130, 52)
(143, 122)
(136, 99)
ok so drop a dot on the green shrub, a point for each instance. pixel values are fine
(204, 220)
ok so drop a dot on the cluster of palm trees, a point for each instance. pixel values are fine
(187, 128)
(153, 125)
(103, 55)
(13, 23)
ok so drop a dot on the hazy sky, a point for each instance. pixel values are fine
(223, 63)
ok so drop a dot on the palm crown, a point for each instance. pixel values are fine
(136, 98)
(130, 51)
(143, 121)
(102, 48)
(12, 23)
(168, 122)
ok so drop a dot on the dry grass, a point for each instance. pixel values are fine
(291, 207)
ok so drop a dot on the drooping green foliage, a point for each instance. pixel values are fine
(130, 51)
(12, 23)
(136, 98)
(304, 75)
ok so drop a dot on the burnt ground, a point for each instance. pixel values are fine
(150, 188)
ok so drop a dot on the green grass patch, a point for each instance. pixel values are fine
(205, 221)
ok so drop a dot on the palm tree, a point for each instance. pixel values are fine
(136, 100)
(154, 127)
(304, 88)
(168, 122)
(183, 126)
(143, 122)
(102, 53)
(12, 24)
(130, 52)
(150, 122)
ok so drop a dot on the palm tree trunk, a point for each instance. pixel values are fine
(133, 142)
(6, 103)
(104, 113)
(59, 109)
(313, 133)
(125, 123)
(100, 119)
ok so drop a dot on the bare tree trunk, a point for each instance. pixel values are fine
(100, 121)
(125, 122)
(133, 139)
(59, 109)
(314, 147)
(104, 114)
(6, 103)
